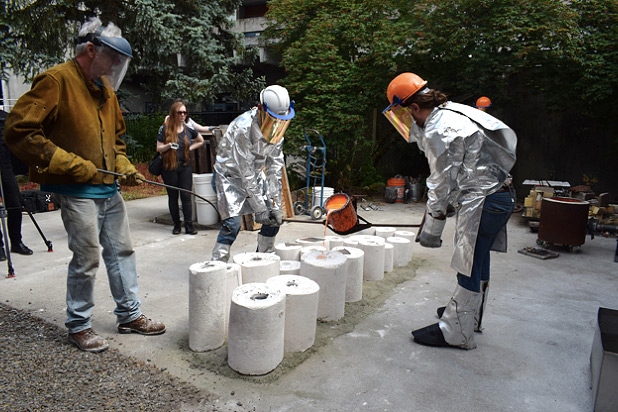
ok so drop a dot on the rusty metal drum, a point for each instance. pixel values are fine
(563, 221)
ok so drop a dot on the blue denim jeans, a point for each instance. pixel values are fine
(497, 210)
(231, 226)
(91, 223)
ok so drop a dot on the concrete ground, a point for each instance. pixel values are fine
(534, 354)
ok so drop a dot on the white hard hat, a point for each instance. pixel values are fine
(276, 99)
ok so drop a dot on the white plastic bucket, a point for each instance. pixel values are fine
(317, 190)
(202, 185)
(206, 214)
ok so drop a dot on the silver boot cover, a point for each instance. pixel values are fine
(266, 244)
(458, 320)
(221, 252)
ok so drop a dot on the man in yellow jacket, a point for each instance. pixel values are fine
(65, 128)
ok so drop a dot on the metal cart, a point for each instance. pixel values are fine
(316, 169)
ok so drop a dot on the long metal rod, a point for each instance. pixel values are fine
(166, 186)
(323, 222)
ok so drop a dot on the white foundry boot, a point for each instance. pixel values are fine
(456, 327)
(221, 252)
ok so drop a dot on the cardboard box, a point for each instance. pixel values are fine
(540, 193)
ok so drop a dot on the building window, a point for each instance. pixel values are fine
(252, 11)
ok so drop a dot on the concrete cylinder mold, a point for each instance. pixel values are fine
(301, 310)
(354, 275)
(373, 268)
(289, 267)
(389, 251)
(207, 297)
(405, 233)
(333, 241)
(358, 238)
(257, 267)
(311, 241)
(312, 248)
(288, 251)
(233, 280)
(403, 250)
(385, 232)
(329, 270)
(257, 327)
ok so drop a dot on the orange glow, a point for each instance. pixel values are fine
(336, 202)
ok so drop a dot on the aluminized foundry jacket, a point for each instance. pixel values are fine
(470, 154)
(248, 169)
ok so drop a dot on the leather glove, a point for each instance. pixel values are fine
(276, 217)
(131, 176)
(65, 163)
(263, 217)
(432, 231)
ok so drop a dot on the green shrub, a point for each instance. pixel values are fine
(141, 135)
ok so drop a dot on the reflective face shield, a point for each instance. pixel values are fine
(400, 117)
(272, 125)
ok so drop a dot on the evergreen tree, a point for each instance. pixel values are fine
(38, 34)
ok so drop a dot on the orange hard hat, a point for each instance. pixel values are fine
(404, 86)
(483, 102)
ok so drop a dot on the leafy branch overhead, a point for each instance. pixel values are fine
(341, 55)
(38, 34)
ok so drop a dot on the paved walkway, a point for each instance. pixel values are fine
(533, 355)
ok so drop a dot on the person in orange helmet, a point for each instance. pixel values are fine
(470, 154)
(483, 103)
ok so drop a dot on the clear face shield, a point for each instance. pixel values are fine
(400, 117)
(111, 60)
(113, 66)
(272, 125)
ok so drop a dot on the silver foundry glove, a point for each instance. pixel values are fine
(276, 217)
(263, 217)
(432, 231)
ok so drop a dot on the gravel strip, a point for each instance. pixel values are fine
(41, 371)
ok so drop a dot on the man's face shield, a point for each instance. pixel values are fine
(110, 65)
(400, 117)
(111, 59)
(273, 125)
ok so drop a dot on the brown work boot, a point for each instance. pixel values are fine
(88, 341)
(142, 325)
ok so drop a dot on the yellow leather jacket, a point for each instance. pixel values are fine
(64, 109)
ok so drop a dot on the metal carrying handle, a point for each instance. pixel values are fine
(357, 228)
(166, 186)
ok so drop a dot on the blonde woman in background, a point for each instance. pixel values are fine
(174, 142)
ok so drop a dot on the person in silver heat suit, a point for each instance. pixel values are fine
(249, 170)
(470, 154)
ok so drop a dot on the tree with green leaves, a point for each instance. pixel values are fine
(37, 34)
(340, 56)
(336, 54)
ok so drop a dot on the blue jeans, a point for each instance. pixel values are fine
(231, 226)
(91, 223)
(497, 210)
